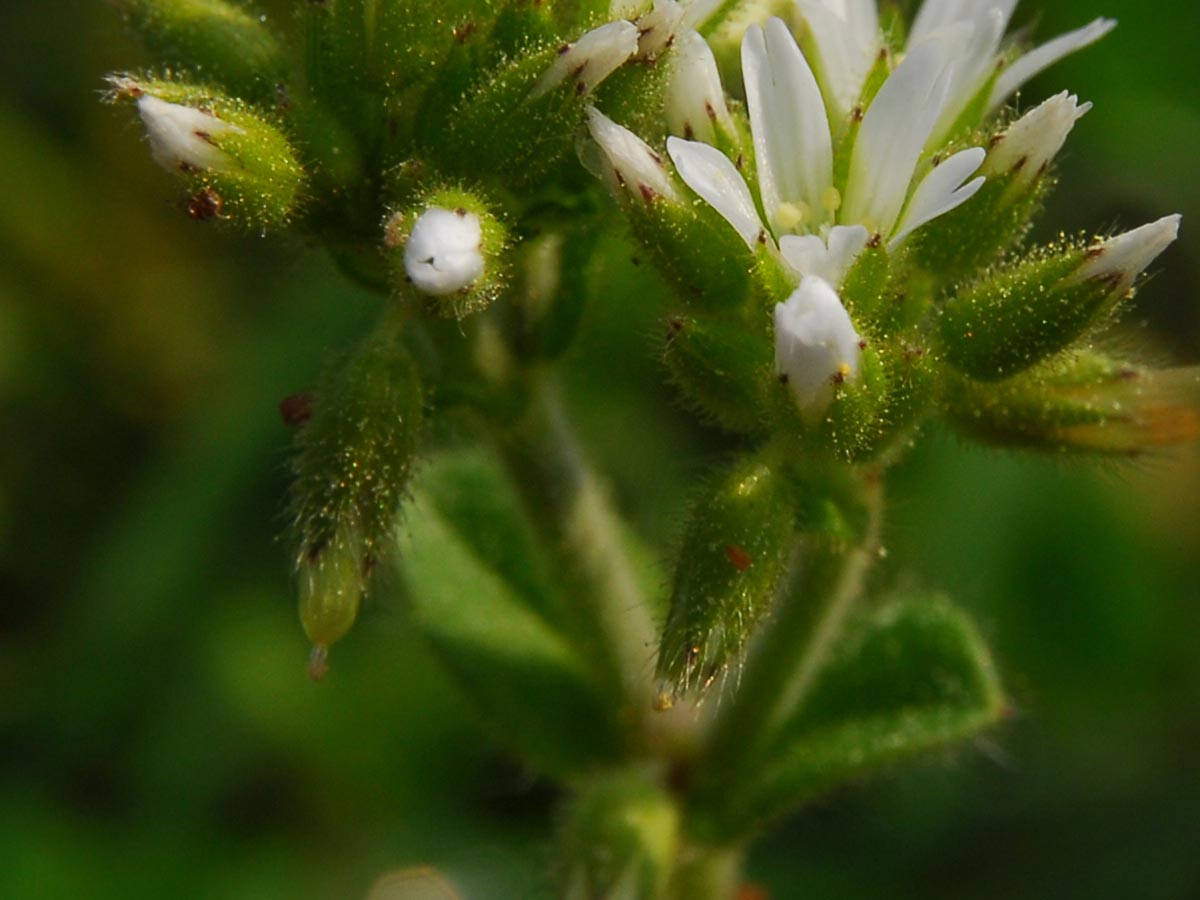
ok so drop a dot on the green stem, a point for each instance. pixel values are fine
(612, 618)
(827, 580)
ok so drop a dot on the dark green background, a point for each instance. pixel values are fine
(159, 737)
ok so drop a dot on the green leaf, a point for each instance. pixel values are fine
(916, 677)
(531, 685)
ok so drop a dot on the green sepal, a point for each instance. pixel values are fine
(696, 251)
(1022, 313)
(353, 458)
(865, 290)
(213, 40)
(260, 180)
(735, 547)
(1086, 402)
(916, 677)
(531, 686)
(620, 838)
(724, 367)
(634, 96)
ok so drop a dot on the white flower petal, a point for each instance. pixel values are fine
(1029, 143)
(935, 15)
(1029, 65)
(1125, 255)
(941, 191)
(829, 259)
(893, 133)
(657, 27)
(592, 58)
(708, 172)
(792, 145)
(815, 343)
(973, 60)
(180, 136)
(443, 253)
(629, 163)
(844, 42)
(695, 100)
(697, 12)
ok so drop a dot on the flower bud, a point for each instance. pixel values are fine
(591, 59)
(695, 100)
(816, 346)
(451, 246)
(735, 549)
(1089, 402)
(238, 164)
(1025, 312)
(624, 161)
(353, 459)
(213, 38)
(1024, 150)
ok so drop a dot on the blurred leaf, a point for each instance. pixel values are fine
(917, 677)
(531, 686)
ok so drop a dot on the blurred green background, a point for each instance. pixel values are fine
(159, 734)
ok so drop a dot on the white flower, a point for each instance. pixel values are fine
(1121, 258)
(794, 156)
(181, 136)
(1028, 144)
(624, 161)
(592, 58)
(816, 345)
(443, 254)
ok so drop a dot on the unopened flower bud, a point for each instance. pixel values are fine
(1119, 260)
(237, 162)
(626, 162)
(443, 253)
(695, 100)
(657, 28)
(1026, 148)
(591, 59)
(816, 346)
(450, 246)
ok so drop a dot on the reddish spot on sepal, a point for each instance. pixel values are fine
(752, 892)
(738, 557)
(296, 409)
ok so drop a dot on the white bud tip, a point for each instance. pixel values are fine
(592, 58)
(1127, 254)
(181, 137)
(816, 345)
(443, 254)
(628, 164)
(1034, 139)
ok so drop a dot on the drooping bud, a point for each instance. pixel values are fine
(237, 162)
(621, 839)
(695, 100)
(1089, 402)
(354, 456)
(735, 549)
(591, 59)
(215, 39)
(1025, 312)
(816, 346)
(451, 246)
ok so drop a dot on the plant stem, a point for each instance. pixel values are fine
(705, 873)
(611, 616)
(826, 581)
